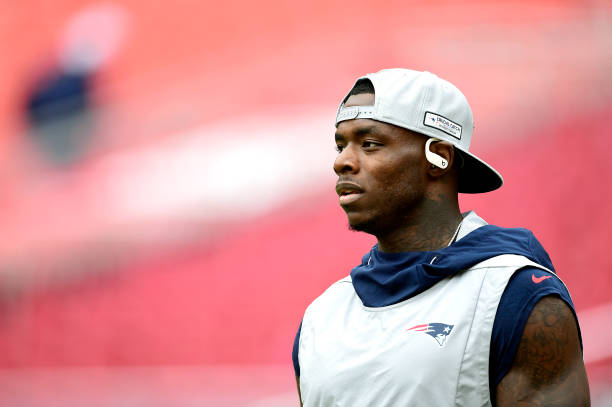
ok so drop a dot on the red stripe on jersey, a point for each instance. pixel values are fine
(422, 327)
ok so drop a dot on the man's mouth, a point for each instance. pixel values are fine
(349, 198)
(348, 192)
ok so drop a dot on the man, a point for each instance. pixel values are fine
(444, 310)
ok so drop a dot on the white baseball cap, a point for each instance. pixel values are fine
(427, 104)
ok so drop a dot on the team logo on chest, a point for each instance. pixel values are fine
(436, 330)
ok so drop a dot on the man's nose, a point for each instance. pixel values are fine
(346, 162)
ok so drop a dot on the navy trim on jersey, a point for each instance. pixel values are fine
(517, 302)
(294, 353)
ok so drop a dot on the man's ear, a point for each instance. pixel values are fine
(440, 156)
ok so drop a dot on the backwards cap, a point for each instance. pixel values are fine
(427, 104)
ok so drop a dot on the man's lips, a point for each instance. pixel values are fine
(348, 191)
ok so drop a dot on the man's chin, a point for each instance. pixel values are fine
(365, 222)
(359, 226)
(355, 228)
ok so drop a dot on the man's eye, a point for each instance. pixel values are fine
(339, 148)
(370, 144)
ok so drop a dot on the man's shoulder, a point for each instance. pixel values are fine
(548, 364)
(524, 290)
(495, 240)
(510, 260)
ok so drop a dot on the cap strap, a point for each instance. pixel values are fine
(354, 112)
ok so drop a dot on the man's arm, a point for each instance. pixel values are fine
(548, 369)
(297, 379)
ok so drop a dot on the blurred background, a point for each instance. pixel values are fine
(167, 194)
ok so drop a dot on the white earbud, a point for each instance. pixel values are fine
(434, 158)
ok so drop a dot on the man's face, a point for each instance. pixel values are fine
(381, 172)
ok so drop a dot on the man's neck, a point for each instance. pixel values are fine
(432, 228)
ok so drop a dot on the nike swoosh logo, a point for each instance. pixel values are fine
(538, 280)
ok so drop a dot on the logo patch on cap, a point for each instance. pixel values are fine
(442, 123)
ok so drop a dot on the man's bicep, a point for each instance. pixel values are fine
(548, 369)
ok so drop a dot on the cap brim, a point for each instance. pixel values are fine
(477, 176)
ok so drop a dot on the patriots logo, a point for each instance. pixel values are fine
(436, 330)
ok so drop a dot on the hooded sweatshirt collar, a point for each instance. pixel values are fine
(384, 279)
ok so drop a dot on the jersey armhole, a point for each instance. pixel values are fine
(294, 353)
(517, 302)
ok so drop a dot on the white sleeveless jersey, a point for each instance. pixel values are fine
(431, 349)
